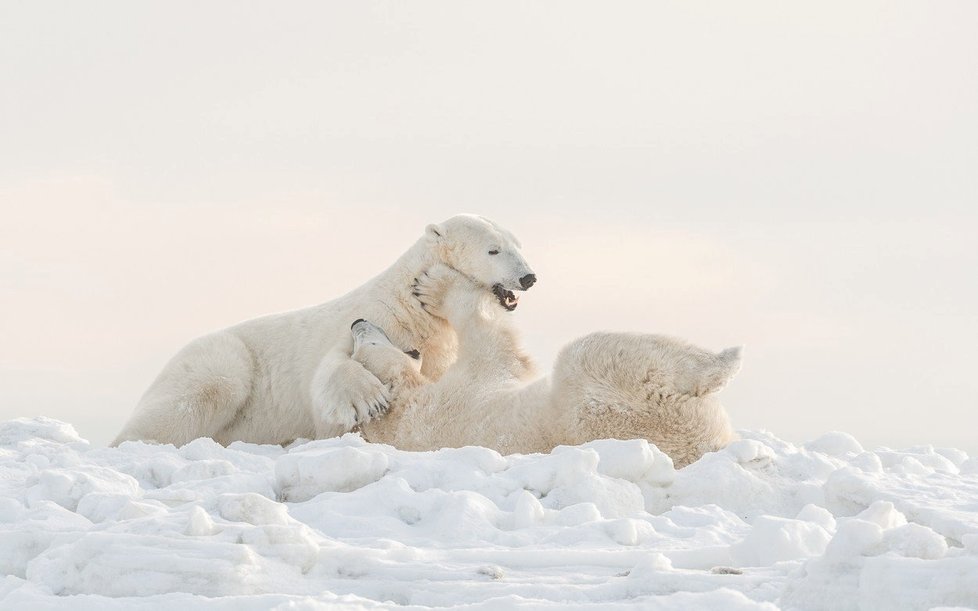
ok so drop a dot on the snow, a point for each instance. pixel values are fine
(763, 524)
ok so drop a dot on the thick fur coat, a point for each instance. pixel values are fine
(290, 375)
(604, 385)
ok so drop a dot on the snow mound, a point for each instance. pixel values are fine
(763, 524)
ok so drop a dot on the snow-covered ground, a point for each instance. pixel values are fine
(763, 524)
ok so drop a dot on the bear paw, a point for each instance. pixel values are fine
(354, 396)
(432, 287)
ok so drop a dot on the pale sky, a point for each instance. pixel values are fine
(798, 178)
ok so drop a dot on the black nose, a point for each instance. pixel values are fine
(528, 280)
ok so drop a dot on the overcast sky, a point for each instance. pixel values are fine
(801, 178)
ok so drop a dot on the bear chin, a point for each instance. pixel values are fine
(506, 298)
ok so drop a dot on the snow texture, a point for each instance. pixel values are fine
(763, 524)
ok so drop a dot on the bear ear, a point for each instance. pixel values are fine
(434, 231)
(719, 371)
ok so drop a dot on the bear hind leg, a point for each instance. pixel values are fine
(198, 394)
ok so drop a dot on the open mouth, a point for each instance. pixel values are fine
(506, 297)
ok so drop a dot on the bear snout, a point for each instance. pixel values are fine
(528, 280)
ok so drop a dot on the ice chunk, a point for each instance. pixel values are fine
(773, 539)
(300, 476)
(835, 443)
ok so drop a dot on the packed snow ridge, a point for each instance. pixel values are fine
(763, 524)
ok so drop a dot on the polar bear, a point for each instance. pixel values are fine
(604, 385)
(290, 375)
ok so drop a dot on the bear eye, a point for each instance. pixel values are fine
(493, 252)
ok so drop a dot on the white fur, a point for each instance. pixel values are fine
(285, 376)
(604, 385)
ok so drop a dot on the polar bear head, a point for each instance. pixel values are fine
(483, 251)
(374, 350)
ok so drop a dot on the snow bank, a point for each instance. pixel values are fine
(763, 524)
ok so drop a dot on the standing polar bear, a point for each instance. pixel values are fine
(290, 375)
(604, 385)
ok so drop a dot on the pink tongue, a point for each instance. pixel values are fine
(510, 300)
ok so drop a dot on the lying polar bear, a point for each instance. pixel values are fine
(604, 385)
(285, 376)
